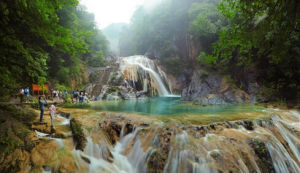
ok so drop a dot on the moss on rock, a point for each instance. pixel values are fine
(264, 158)
(78, 135)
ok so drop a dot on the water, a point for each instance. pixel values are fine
(170, 106)
(130, 67)
(190, 150)
(65, 121)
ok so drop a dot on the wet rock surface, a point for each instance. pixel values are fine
(231, 146)
(78, 134)
(214, 89)
(264, 159)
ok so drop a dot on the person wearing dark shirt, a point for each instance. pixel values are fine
(42, 103)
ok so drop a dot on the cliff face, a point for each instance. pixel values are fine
(210, 89)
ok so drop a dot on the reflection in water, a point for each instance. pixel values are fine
(169, 106)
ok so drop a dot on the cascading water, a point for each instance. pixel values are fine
(130, 66)
(265, 146)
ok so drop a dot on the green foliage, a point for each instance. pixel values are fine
(113, 89)
(14, 133)
(42, 40)
(8, 145)
(206, 59)
(19, 113)
(172, 63)
(98, 60)
(168, 30)
(264, 35)
(62, 87)
(206, 21)
(93, 77)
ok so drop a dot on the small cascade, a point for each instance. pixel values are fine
(270, 145)
(104, 158)
(65, 121)
(139, 68)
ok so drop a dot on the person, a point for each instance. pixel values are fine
(85, 98)
(81, 97)
(75, 95)
(60, 95)
(27, 92)
(21, 95)
(52, 110)
(42, 103)
(53, 94)
(57, 96)
(66, 93)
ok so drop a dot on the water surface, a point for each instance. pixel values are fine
(158, 106)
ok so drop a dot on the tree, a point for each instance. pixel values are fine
(41, 39)
(263, 34)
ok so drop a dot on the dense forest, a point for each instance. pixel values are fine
(232, 37)
(55, 41)
(181, 86)
(47, 41)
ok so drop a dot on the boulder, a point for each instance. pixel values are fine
(213, 89)
(201, 84)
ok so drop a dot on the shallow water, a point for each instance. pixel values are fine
(171, 106)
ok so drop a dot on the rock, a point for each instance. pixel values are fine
(156, 162)
(112, 129)
(113, 96)
(127, 93)
(43, 153)
(201, 85)
(85, 158)
(116, 78)
(213, 89)
(210, 99)
(106, 154)
(104, 92)
(248, 124)
(47, 168)
(66, 165)
(264, 161)
(78, 135)
(215, 154)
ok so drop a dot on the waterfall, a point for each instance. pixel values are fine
(130, 67)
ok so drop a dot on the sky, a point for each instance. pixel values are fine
(112, 11)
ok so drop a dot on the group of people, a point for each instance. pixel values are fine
(24, 92)
(79, 96)
(52, 110)
(59, 95)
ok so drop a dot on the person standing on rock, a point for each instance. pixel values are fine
(42, 103)
(52, 110)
